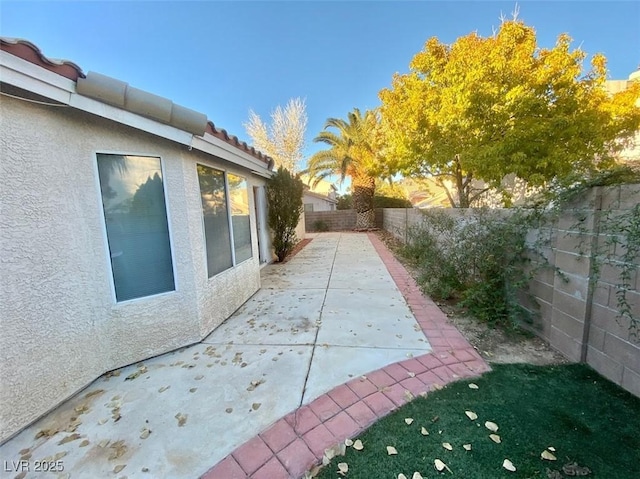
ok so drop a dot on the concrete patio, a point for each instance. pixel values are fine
(337, 337)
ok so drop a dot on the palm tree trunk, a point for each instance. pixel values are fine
(363, 188)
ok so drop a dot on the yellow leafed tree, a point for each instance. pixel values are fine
(483, 108)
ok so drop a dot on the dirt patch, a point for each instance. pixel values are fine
(495, 345)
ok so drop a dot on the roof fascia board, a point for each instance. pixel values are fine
(26, 75)
(214, 146)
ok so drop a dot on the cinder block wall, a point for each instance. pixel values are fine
(578, 317)
(398, 221)
(567, 244)
(611, 348)
(337, 220)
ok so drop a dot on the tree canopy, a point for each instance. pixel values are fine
(483, 108)
(283, 139)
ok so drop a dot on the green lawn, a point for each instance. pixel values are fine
(571, 408)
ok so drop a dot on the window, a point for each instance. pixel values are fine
(225, 209)
(216, 219)
(308, 207)
(136, 221)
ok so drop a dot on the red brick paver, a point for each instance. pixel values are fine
(318, 438)
(302, 420)
(227, 468)
(342, 426)
(252, 455)
(324, 407)
(296, 442)
(381, 379)
(380, 404)
(297, 458)
(362, 387)
(344, 396)
(362, 413)
(273, 469)
(278, 436)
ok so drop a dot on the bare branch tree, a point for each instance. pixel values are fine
(516, 12)
(283, 139)
(257, 130)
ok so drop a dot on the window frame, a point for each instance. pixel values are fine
(105, 235)
(225, 172)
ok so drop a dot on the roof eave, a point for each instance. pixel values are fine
(24, 66)
(321, 197)
(214, 146)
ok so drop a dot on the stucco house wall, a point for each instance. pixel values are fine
(315, 202)
(61, 325)
(318, 195)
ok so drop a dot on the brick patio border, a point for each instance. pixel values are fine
(296, 442)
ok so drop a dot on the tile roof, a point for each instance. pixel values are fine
(233, 140)
(31, 53)
(28, 51)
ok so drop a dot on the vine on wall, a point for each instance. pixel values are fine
(617, 235)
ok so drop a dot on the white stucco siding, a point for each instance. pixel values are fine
(227, 292)
(61, 326)
(319, 204)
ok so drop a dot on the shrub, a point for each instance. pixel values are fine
(485, 259)
(478, 259)
(380, 201)
(284, 194)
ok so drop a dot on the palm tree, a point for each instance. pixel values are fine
(350, 154)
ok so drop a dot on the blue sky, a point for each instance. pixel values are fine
(224, 58)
